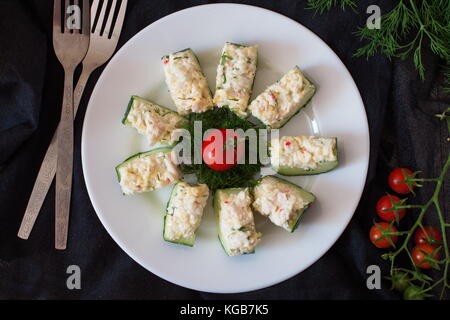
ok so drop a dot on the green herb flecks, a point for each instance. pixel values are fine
(223, 59)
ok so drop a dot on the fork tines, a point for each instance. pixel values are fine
(113, 21)
(71, 13)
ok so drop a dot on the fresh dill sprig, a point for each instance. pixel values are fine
(324, 5)
(405, 30)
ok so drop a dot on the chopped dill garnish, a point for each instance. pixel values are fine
(224, 76)
(241, 175)
(223, 57)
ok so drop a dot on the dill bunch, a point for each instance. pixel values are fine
(405, 30)
(324, 5)
(241, 175)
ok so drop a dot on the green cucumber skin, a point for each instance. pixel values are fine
(167, 55)
(184, 241)
(301, 212)
(251, 89)
(141, 154)
(322, 167)
(282, 123)
(125, 116)
(236, 44)
(295, 225)
(130, 106)
(200, 66)
(216, 208)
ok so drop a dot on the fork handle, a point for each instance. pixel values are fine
(64, 166)
(47, 170)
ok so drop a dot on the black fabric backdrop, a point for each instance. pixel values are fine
(403, 131)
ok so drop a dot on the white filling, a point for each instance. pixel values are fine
(236, 223)
(279, 201)
(185, 210)
(304, 152)
(187, 84)
(153, 121)
(235, 74)
(149, 172)
(281, 100)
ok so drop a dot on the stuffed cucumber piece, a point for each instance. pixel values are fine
(184, 212)
(235, 76)
(283, 99)
(186, 82)
(235, 221)
(156, 122)
(283, 202)
(303, 155)
(148, 171)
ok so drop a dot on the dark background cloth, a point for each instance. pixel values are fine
(403, 132)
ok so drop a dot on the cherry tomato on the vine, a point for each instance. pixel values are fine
(414, 293)
(420, 252)
(396, 176)
(222, 149)
(400, 281)
(422, 235)
(376, 233)
(386, 202)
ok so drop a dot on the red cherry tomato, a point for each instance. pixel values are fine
(419, 253)
(395, 177)
(421, 236)
(376, 234)
(386, 202)
(222, 149)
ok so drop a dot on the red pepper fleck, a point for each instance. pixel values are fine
(168, 180)
(287, 143)
(272, 96)
(166, 61)
(226, 202)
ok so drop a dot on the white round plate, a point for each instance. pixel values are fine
(136, 222)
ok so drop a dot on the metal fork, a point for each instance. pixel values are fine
(100, 50)
(70, 48)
